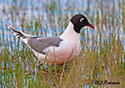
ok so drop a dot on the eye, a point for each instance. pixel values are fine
(81, 20)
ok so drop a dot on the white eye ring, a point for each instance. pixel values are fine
(81, 20)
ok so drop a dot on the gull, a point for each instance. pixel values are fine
(57, 50)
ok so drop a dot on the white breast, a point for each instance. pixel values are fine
(65, 52)
(68, 49)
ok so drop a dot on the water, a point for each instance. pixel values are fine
(12, 13)
(52, 17)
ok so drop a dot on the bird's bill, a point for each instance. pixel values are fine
(90, 25)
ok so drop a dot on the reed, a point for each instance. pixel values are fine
(103, 49)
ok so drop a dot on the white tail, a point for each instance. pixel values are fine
(22, 36)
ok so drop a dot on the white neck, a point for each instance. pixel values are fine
(70, 32)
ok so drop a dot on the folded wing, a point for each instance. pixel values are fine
(39, 44)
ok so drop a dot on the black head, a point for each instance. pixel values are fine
(80, 21)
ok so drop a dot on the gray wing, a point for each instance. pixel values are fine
(39, 43)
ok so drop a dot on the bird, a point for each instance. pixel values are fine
(59, 49)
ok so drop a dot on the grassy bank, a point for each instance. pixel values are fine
(103, 50)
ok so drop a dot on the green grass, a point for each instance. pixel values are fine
(103, 50)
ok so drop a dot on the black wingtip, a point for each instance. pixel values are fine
(12, 29)
(18, 33)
